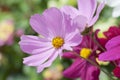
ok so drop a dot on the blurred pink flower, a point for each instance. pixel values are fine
(57, 34)
(6, 32)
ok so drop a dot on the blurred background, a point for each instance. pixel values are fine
(14, 22)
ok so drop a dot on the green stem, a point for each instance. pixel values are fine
(99, 44)
(95, 64)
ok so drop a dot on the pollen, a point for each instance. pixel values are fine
(85, 52)
(57, 42)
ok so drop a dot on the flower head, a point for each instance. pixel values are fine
(87, 9)
(6, 32)
(57, 32)
(80, 67)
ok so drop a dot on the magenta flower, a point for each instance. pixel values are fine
(113, 31)
(111, 40)
(116, 72)
(80, 67)
(87, 9)
(57, 33)
(111, 43)
(113, 50)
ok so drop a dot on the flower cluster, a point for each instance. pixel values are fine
(68, 33)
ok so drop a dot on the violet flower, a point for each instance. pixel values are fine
(87, 9)
(80, 67)
(57, 34)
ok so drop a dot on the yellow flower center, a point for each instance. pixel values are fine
(57, 42)
(85, 53)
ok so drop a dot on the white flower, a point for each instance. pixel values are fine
(115, 4)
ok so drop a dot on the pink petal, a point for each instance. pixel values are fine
(80, 22)
(71, 11)
(30, 43)
(113, 43)
(39, 50)
(68, 27)
(74, 71)
(112, 54)
(69, 55)
(95, 18)
(38, 59)
(84, 70)
(92, 73)
(87, 7)
(48, 63)
(75, 41)
(38, 23)
(59, 51)
(67, 47)
(54, 20)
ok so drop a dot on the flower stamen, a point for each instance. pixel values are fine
(85, 52)
(57, 42)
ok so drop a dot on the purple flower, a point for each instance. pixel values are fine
(80, 67)
(57, 33)
(87, 9)
(113, 50)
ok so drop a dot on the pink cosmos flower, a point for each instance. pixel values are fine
(81, 68)
(57, 33)
(87, 9)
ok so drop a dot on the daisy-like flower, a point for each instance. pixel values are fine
(81, 68)
(87, 9)
(57, 34)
